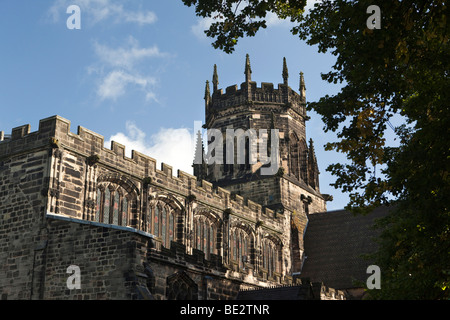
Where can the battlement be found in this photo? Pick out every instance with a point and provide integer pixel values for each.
(87, 147)
(250, 93)
(247, 92)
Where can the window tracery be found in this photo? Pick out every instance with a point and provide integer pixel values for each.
(205, 234)
(161, 222)
(270, 256)
(241, 247)
(112, 204)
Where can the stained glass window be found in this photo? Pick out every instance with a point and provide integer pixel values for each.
(98, 205)
(244, 250)
(270, 256)
(240, 248)
(156, 224)
(171, 229)
(211, 239)
(234, 246)
(275, 260)
(149, 219)
(205, 238)
(163, 226)
(265, 255)
(116, 208)
(106, 206)
(124, 211)
(112, 206)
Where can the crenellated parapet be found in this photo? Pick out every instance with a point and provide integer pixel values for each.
(249, 94)
(54, 133)
(266, 93)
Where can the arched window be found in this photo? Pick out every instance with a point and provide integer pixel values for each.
(106, 206)
(211, 239)
(294, 156)
(199, 235)
(98, 205)
(240, 243)
(148, 226)
(303, 154)
(163, 226)
(161, 222)
(204, 235)
(171, 226)
(241, 250)
(124, 221)
(111, 205)
(270, 257)
(156, 218)
(115, 217)
(234, 245)
(264, 255)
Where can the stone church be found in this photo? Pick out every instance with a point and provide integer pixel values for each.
(133, 230)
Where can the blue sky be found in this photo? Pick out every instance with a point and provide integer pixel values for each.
(135, 73)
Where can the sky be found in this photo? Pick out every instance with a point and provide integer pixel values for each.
(135, 72)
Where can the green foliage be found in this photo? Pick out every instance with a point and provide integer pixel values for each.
(235, 19)
(401, 69)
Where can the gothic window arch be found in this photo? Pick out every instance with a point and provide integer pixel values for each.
(112, 204)
(161, 222)
(298, 153)
(181, 287)
(303, 157)
(271, 256)
(241, 244)
(205, 234)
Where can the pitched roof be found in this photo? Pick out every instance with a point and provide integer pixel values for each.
(334, 244)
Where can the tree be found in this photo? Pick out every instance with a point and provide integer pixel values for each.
(236, 18)
(402, 69)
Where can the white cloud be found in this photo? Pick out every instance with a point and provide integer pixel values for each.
(140, 18)
(173, 146)
(119, 70)
(115, 83)
(125, 57)
(97, 11)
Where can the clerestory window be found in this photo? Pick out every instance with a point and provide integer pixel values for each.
(161, 222)
(112, 205)
(204, 235)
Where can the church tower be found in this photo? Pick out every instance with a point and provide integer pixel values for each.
(249, 122)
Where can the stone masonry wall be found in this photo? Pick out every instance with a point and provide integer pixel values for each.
(47, 201)
(24, 171)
